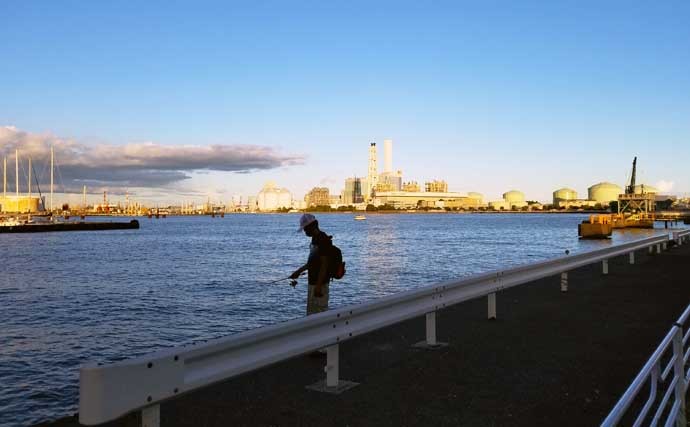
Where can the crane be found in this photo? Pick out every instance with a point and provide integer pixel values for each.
(630, 189)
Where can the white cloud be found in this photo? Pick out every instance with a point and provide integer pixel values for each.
(664, 186)
(150, 164)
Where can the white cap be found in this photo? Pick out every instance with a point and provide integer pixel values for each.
(305, 220)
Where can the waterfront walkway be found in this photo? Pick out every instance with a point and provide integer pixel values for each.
(550, 358)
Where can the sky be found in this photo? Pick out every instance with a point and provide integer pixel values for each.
(181, 100)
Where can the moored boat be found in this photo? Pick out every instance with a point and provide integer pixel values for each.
(596, 227)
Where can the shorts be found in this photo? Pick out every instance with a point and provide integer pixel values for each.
(317, 304)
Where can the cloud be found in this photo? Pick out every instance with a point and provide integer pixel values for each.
(664, 186)
(149, 165)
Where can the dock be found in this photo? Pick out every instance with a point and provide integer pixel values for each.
(69, 226)
(550, 358)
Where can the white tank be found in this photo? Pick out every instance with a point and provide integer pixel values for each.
(564, 194)
(514, 196)
(604, 192)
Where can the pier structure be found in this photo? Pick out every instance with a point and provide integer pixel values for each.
(545, 347)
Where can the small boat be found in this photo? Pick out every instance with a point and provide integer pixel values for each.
(360, 217)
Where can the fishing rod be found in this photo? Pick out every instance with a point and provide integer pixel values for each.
(293, 282)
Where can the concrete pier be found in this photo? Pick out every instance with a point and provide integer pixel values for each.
(549, 358)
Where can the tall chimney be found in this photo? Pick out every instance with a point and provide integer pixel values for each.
(373, 174)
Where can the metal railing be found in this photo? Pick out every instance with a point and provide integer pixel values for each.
(671, 355)
(107, 392)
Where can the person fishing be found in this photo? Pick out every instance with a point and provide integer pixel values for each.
(317, 266)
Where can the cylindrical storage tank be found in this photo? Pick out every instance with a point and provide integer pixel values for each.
(564, 194)
(514, 196)
(604, 192)
(642, 189)
(476, 196)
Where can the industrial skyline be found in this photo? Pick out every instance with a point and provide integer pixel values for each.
(378, 188)
(386, 184)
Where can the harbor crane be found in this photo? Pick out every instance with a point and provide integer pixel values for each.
(636, 208)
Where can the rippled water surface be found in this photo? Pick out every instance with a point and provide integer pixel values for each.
(68, 298)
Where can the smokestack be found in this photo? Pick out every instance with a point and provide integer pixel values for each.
(373, 174)
(388, 156)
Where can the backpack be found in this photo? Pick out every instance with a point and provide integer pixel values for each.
(336, 266)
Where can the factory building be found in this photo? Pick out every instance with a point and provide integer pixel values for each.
(390, 181)
(578, 203)
(644, 189)
(564, 195)
(411, 187)
(436, 186)
(352, 194)
(19, 204)
(411, 200)
(604, 192)
(318, 196)
(272, 198)
(499, 205)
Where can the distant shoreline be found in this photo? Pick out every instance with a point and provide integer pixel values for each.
(398, 212)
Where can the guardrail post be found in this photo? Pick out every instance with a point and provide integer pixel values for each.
(430, 343)
(605, 266)
(151, 416)
(492, 306)
(632, 257)
(658, 248)
(564, 282)
(332, 366)
(651, 250)
(663, 245)
(677, 239)
(333, 384)
(431, 329)
(679, 373)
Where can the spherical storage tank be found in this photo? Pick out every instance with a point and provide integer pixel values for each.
(604, 192)
(514, 196)
(564, 194)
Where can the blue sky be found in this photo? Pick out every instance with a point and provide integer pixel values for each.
(490, 96)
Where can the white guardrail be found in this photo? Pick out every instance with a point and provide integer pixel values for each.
(671, 356)
(109, 391)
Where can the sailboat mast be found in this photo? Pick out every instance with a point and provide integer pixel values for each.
(29, 201)
(51, 178)
(84, 198)
(4, 179)
(16, 174)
